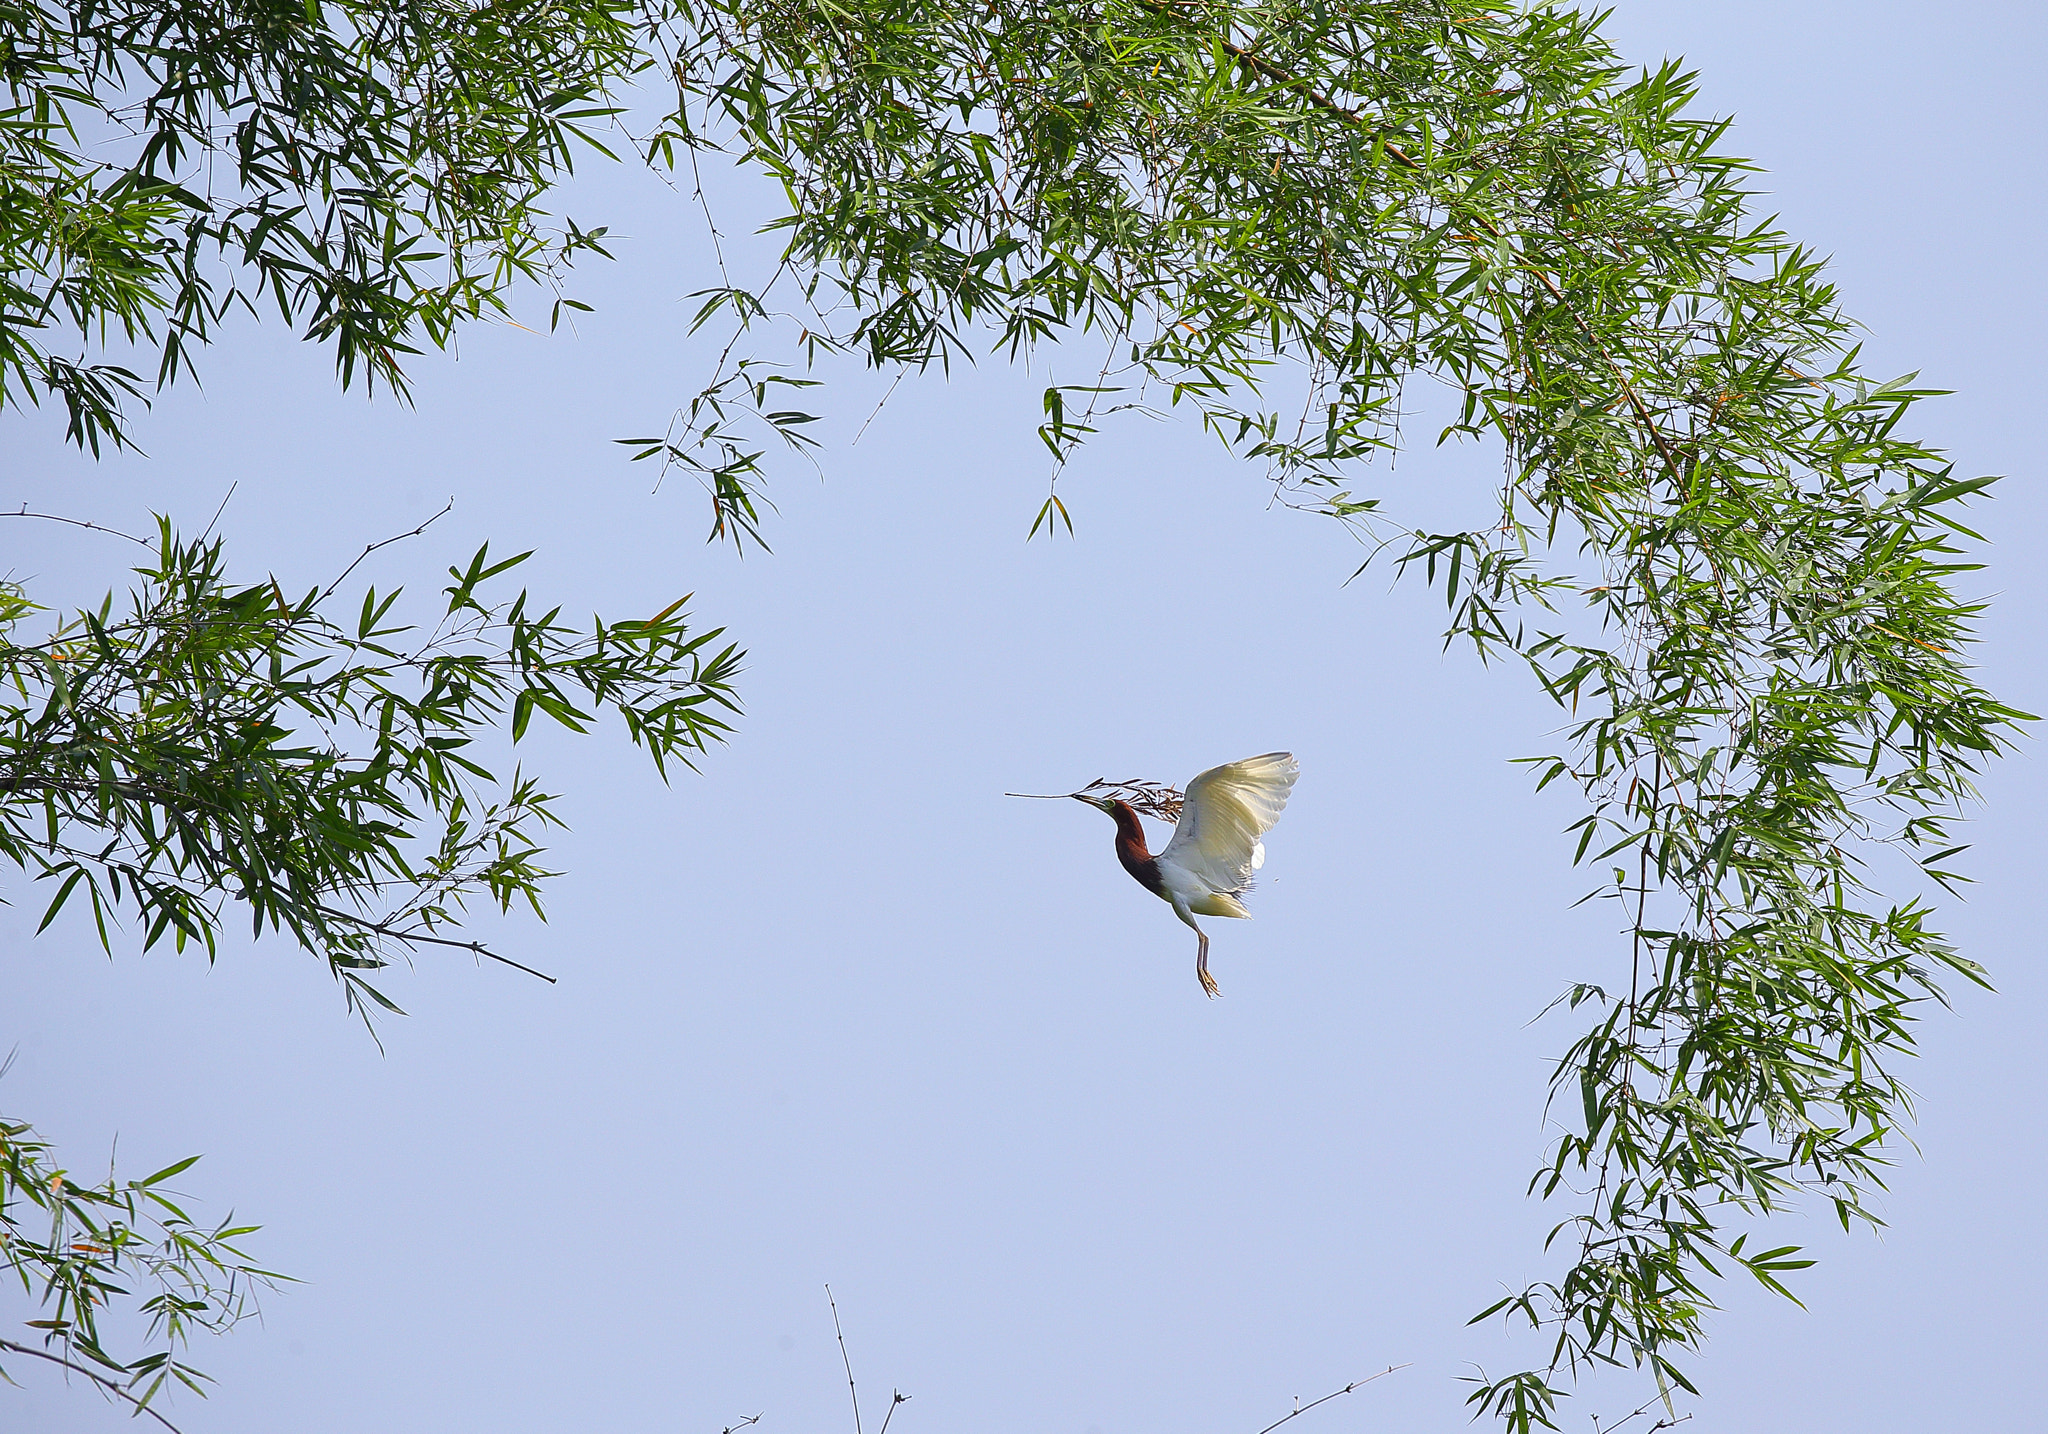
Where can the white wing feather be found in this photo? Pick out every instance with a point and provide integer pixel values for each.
(1228, 809)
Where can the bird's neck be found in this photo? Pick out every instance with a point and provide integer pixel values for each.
(1130, 848)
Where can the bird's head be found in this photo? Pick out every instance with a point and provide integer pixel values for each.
(1105, 805)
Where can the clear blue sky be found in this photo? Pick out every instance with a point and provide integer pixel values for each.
(835, 1011)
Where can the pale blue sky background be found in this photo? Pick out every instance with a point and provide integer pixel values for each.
(835, 1011)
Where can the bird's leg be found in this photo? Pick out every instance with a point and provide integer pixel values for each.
(1201, 950)
(1202, 963)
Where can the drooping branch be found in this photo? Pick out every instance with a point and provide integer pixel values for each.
(110, 1386)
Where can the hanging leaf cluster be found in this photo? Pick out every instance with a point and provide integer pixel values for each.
(220, 745)
(370, 172)
(82, 1248)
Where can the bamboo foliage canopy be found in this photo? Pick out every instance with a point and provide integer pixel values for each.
(1717, 546)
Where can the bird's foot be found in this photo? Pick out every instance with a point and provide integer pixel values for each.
(1209, 984)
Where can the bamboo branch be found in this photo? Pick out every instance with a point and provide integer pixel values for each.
(110, 1386)
(847, 1360)
(23, 512)
(412, 938)
(1301, 1409)
(1266, 69)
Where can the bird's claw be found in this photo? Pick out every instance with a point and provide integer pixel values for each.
(1209, 984)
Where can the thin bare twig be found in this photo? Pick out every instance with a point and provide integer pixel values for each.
(220, 510)
(1672, 1422)
(733, 1428)
(111, 1386)
(846, 1360)
(878, 407)
(23, 512)
(896, 1397)
(387, 542)
(1301, 1409)
(421, 938)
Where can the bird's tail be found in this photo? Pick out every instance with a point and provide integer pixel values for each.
(1221, 903)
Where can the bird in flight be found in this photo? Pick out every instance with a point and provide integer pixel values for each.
(1207, 866)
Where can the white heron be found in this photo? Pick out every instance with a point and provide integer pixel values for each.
(1207, 867)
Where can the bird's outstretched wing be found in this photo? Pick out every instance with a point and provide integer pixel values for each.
(1228, 809)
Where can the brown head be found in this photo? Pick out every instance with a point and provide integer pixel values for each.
(1130, 840)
